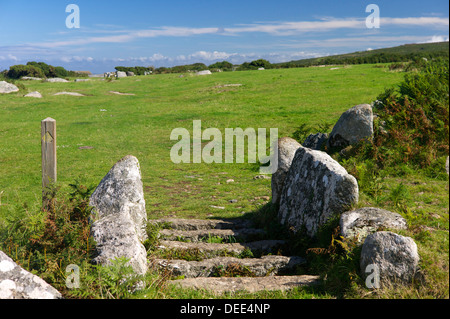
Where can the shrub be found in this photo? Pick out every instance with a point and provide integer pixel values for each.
(60, 72)
(20, 70)
(48, 70)
(261, 63)
(224, 66)
(415, 119)
(49, 239)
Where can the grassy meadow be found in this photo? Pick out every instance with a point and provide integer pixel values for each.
(117, 125)
(140, 125)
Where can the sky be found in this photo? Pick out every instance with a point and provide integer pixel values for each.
(175, 32)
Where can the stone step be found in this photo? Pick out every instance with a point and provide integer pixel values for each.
(231, 266)
(213, 249)
(198, 224)
(228, 235)
(250, 284)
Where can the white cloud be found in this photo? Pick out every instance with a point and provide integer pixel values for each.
(211, 56)
(367, 41)
(416, 21)
(76, 58)
(275, 29)
(438, 38)
(12, 57)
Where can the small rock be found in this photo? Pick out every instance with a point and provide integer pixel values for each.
(54, 80)
(69, 93)
(315, 141)
(217, 207)
(119, 93)
(354, 125)
(261, 177)
(361, 222)
(395, 257)
(205, 72)
(121, 74)
(35, 94)
(31, 78)
(230, 180)
(233, 201)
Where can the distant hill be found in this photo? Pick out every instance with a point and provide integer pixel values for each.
(400, 53)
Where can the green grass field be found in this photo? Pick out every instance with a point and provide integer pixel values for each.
(140, 125)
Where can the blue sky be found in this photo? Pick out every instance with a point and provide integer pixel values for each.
(167, 33)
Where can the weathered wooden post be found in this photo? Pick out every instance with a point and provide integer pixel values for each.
(48, 149)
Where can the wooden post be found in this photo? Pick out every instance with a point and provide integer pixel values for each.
(48, 148)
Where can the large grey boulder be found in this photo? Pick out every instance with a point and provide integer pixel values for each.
(119, 215)
(6, 88)
(286, 151)
(315, 141)
(364, 221)
(354, 125)
(316, 188)
(394, 258)
(121, 74)
(115, 237)
(17, 283)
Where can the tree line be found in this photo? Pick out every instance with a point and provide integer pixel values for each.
(43, 70)
(383, 57)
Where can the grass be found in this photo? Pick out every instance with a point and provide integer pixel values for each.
(140, 125)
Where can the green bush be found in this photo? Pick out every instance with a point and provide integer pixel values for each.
(46, 240)
(415, 118)
(48, 70)
(261, 63)
(20, 70)
(224, 66)
(60, 72)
